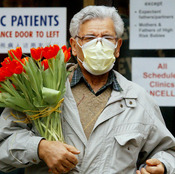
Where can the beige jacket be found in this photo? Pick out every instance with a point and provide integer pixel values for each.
(129, 130)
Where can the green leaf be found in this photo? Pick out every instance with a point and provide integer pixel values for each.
(2, 105)
(34, 76)
(39, 104)
(5, 101)
(51, 96)
(47, 78)
(19, 101)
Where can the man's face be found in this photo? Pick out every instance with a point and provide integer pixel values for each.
(95, 27)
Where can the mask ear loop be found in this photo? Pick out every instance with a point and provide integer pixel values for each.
(80, 60)
(79, 45)
(116, 45)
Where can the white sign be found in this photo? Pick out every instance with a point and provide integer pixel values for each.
(31, 27)
(152, 24)
(157, 76)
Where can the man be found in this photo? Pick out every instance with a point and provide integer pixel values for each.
(110, 124)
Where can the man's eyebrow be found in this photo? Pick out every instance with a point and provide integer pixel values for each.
(90, 34)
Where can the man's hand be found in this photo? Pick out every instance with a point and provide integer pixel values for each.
(154, 166)
(59, 157)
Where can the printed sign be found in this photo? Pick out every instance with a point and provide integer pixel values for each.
(157, 76)
(31, 27)
(152, 24)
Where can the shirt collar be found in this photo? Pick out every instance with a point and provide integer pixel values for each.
(78, 76)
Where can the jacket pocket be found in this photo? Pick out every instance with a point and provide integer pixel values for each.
(127, 146)
(124, 153)
(129, 139)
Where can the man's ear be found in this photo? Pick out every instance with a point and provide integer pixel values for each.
(117, 50)
(73, 44)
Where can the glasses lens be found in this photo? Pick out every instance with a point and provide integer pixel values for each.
(110, 38)
(88, 38)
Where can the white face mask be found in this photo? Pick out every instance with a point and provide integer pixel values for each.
(98, 56)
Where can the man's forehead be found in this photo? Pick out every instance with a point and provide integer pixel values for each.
(104, 25)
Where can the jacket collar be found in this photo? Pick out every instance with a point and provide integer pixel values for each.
(71, 112)
(78, 76)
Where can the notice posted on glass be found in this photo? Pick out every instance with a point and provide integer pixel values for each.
(152, 24)
(157, 76)
(32, 27)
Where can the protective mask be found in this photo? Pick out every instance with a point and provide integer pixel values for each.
(98, 56)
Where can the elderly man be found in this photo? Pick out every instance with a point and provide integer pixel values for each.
(110, 124)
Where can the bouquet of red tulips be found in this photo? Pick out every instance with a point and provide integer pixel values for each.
(35, 86)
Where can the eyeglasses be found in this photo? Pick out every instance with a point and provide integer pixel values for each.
(88, 38)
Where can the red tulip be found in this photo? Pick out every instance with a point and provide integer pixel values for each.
(17, 53)
(23, 61)
(15, 67)
(6, 61)
(45, 64)
(2, 75)
(51, 51)
(37, 53)
(66, 52)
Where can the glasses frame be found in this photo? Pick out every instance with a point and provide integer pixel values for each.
(91, 37)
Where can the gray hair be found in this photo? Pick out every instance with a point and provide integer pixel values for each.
(94, 12)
